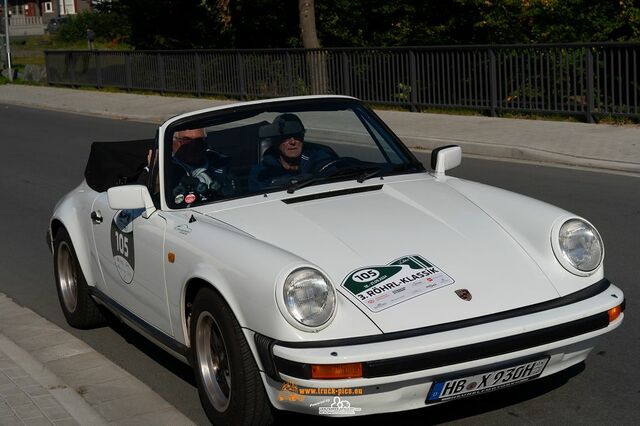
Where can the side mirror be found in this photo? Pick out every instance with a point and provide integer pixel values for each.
(131, 197)
(445, 158)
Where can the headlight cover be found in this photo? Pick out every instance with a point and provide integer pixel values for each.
(309, 297)
(579, 247)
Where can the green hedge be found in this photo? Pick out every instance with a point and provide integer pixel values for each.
(106, 26)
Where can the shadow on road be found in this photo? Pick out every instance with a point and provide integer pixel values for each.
(176, 367)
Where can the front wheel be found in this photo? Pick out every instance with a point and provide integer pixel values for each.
(229, 385)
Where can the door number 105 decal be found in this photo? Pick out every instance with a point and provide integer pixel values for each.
(122, 246)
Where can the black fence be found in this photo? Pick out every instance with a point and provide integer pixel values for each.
(593, 79)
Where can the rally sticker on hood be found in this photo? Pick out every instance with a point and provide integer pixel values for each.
(380, 287)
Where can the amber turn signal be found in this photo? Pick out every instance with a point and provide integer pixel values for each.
(614, 313)
(336, 371)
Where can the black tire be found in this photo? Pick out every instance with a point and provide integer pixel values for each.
(230, 388)
(80, 310)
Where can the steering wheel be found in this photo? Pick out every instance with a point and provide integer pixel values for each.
(324, 167)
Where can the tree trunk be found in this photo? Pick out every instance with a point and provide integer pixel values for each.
(307, 11)
(316, 60)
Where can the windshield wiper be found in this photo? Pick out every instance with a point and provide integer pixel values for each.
(396, 168)
(362, 173)
(295, 184)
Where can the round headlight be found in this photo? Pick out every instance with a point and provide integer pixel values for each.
(309, 297)
(581, 245)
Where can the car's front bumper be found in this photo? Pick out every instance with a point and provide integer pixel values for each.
(398, 373)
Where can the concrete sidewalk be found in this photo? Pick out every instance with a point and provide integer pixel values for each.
(49, 377)
(597, 146)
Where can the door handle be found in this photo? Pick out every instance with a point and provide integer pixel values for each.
(96, 217)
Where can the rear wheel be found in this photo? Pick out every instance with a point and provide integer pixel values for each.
(78, 307)
(229, 385)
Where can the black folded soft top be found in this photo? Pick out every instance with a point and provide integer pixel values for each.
(116, 163)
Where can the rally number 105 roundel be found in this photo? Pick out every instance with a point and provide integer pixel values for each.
(122, 246)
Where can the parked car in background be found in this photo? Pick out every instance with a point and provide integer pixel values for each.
(300, 258)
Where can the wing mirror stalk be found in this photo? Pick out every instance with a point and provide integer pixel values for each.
(445, 158)
(131, 197)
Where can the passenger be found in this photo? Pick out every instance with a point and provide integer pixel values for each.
(288, 157)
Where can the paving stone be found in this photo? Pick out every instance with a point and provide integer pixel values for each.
(11, 421)
(9, 389)
(17, 400)
(40, 421)
(56, 413)
(66, 422)
(5, 410)
(24, 382)
(4, 380)
(35, 390)
(15, 372)
(27, 411)
(45, 401)
(6, 363)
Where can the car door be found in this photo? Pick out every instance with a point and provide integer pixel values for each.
(130, 254)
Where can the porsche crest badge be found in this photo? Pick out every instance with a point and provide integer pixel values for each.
(464, 294)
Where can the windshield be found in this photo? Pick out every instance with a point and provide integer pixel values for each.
(278, 147)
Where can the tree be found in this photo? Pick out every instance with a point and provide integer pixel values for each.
(308, 24)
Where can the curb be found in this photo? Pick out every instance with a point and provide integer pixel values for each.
(90, 387)
(70, 400)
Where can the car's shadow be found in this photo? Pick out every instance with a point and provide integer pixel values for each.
(145, 346)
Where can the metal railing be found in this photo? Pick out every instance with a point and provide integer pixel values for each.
(591, 80)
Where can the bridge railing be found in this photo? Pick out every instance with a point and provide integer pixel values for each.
(588, 79)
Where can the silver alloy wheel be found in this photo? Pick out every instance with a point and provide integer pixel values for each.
(67, 278)
(213, 361)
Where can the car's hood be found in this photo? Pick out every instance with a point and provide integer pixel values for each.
(451, 260)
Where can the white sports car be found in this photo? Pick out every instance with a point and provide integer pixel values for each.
(300, 258)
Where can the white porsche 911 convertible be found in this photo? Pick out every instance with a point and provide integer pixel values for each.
(300, 258)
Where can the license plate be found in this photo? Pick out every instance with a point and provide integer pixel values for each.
(448, 389)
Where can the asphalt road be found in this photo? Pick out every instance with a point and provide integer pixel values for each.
(43, 157)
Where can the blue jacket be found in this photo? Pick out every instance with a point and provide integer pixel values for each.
(270, 172)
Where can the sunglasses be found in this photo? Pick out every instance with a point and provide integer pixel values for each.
(297, 136)
(186, 140)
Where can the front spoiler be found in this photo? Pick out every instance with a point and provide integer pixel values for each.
(449, 343)
(398, 373)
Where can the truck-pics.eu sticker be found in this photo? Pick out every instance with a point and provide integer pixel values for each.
(380, 287)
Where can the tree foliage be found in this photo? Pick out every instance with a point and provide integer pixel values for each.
(172, 24)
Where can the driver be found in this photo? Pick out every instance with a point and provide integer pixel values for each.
(199, 173)
(288, 157)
